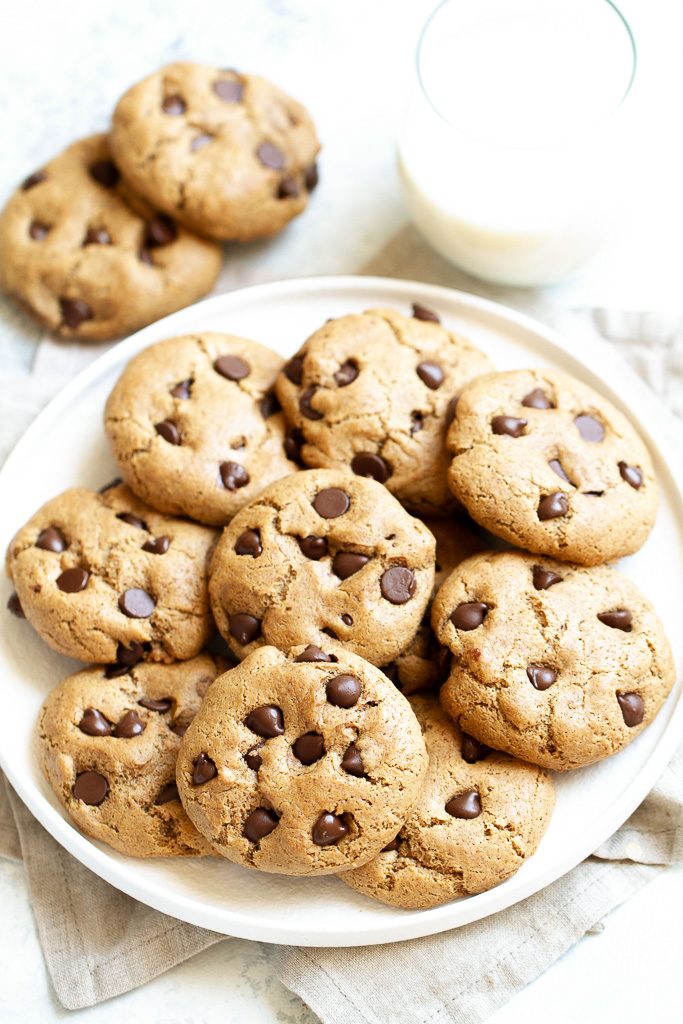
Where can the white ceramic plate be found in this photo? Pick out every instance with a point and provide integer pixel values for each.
(66, 446)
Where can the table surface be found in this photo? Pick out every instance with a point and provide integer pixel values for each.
(63, 67)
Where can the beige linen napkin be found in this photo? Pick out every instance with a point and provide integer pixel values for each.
(98, 943)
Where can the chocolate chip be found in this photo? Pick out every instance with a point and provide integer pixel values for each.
(369, 465)
(233, 475)
(632, 708)
(130, 656)
(75, 312)
(174, 105)
(313, 547)
(294, 369)
(270, 404)
(97, 236)
(346, 563)
(93, 723)
(589, 428)
(311, 177)
(305, 406)
(178, 728)
(199, 141)
(393, 845)
(544, 578)
(244, 628)
(352, 762)
(288, 188)
(347, 373)
(465, 805)
(145, 256)
(228, 89)
(271, 156)
(167, 793)
(266, 721)
(160, 706)
(331, 503)
(232, 367)
(160, 230)
(204, 770)
(128, 517)
(329, 829)
(105, 172)
(91, 788)
(330, 632)
(631, 474)
(397, 584)
(472, 750)
(416, 422)
(618, 618)
(537, 399)
(129, 726)
(253, 758)
(422, 313)
(343, 691)
(540, 677)
(74, 580)
(51, 539)
(451, 410)
(260, 824)
(309, 748)
(136, 603)
(157, 546)
(14, 606)
(510, 425)
(469, 615)
(249, 543)
(33, 180)
(431, 374)
(553, 505)
(293, 444)
(169, 431)
(313, 653)
(38, 230)
(347, 620)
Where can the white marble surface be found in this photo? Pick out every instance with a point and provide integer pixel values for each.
(62, 68)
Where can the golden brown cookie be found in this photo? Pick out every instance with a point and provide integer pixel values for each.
(91, 260)
(479, 816)
(301, 764)
(195, 427)
(375, 393)
(109, 749)
(227, 154)
(323, 554)
(545, 462)
(557, 664)
(103, 577)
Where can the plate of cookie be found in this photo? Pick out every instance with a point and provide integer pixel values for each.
(367, 639)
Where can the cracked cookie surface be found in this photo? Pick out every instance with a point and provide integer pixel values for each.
(375, 392)
(323, 554)
(91, 260)
(195, 427)
(230, 155)
(103, 577)
(545, 462)
(304, 763)
(479, 816)
(108, 748)
(557, 664)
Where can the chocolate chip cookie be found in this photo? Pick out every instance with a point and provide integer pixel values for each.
(546, 463)
(104, 578)
(304, 763)
(109, 748)
(424, 664)
(91, 260)
(323, 554)
(227, 154)
(375, 393)
(195, 427)
(557, 664)
(479, 816)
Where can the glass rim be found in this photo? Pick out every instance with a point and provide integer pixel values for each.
(549, 145)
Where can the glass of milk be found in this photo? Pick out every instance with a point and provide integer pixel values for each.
(515, 149)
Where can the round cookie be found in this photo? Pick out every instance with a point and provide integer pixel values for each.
(103, 577)
(323, 554)
(479, 816)
(557, 664)
(229, 155)
(375, 393)
(301, 764)
(543, 461)
(195, 427)
(84, 261)
(109, 749)
(424, 664)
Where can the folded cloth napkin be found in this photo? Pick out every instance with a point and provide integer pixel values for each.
(98, 942)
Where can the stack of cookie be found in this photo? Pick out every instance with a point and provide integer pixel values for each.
(122, 229)
(398, 693)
